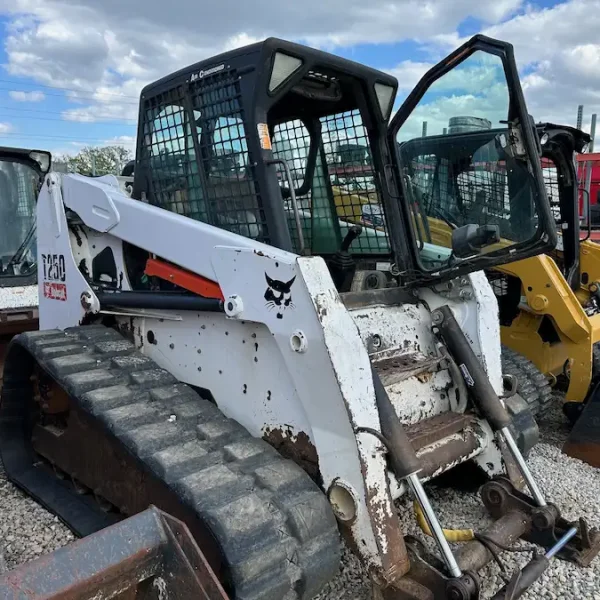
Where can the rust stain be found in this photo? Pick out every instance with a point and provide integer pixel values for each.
(127, 330)
(296, 447)
(395, 561)
(425, 376)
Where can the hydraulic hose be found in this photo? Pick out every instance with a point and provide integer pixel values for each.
(451, 535)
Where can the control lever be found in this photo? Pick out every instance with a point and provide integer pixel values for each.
(341, 265)
(532, 571)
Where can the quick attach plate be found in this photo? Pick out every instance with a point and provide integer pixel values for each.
(500, 497)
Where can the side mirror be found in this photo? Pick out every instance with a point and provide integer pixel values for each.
(470, 239)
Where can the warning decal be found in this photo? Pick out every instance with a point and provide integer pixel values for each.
(263, 135)
(55, 291)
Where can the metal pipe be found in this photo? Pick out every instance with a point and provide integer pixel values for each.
(529, 480)
(564, 540)
(474, 555)
(522, 580)
(434, 525)
(288, 174)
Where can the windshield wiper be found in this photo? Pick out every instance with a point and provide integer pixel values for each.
(17, 257)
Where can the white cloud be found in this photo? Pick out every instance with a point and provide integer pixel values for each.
(558, 51)
(107, 50)
(84, 44)
(19, 96)
(6, 128)
(127, 141)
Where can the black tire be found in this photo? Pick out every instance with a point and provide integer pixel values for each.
(532, 385)
(595, 366)
(573, 410)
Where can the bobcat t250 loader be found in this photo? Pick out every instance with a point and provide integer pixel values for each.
(199, 349)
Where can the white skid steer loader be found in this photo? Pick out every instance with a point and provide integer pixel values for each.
(200, 349)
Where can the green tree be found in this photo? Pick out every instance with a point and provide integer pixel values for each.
(102, 160)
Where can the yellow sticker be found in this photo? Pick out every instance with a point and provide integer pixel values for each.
(263, 134)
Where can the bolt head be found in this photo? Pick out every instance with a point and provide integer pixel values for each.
(437, 317)
(234, 306)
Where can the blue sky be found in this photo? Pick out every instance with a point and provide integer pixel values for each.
(49, 54)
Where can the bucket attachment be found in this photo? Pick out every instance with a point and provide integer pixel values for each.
(584, 440)
(149, 556)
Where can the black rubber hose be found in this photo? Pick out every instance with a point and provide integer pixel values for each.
(522, 581)
(478, 383)
(403, 458)
(159, 301)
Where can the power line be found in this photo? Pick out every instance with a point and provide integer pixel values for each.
(82, 95)
(58, 112)
(60, 137)
(67, 120)
(65, 89)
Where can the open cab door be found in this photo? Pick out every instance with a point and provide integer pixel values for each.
(467, 166)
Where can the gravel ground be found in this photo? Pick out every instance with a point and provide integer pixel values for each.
(571, 484)
(28, 531)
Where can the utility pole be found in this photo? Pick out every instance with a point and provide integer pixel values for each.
(424, 134)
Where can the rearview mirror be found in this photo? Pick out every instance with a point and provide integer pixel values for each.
(470, 239)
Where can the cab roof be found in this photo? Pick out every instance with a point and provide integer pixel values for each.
(255, 56)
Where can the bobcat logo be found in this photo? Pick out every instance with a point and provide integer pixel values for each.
(279, 295)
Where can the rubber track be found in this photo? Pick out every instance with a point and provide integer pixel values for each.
(274, 525)
(533, 385)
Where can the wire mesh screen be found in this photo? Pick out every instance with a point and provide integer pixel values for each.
(498, 281)
(451, 193)
(18, 192)
(551, 182)
(354, 185)
(201, 168)
(459, 193)
(342, 190)
(291, 142)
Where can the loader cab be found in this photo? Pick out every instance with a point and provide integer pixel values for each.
(292, 147)
(226, 141)
(21, 175)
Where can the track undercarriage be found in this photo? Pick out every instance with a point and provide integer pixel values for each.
(107, 431)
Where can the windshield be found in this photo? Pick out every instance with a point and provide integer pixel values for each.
(462, 164)
(343, 189)
(19, 185)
